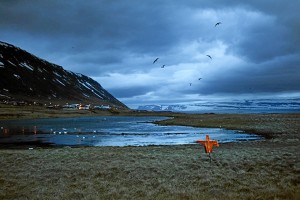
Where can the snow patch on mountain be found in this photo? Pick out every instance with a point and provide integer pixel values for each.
(31, 78)
(17, 76)
(26, 65)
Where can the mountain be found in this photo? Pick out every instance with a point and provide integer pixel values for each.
(163, 107)
(25, 77)
(233, 106)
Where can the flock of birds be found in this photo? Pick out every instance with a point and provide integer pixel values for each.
(209, 56)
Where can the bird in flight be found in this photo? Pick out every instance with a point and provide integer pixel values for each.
(190, 84)
(209, 56)
(199, 79)
(218, 24)
(155, 60)
(163, 66)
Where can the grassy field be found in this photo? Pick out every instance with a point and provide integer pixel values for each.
(267, 169)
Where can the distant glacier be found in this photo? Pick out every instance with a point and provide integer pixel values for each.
(235, 106)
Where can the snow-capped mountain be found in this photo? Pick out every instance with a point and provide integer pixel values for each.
(163, 107)
(233, 106)
(26, 77)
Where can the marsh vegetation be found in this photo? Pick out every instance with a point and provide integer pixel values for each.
(267, 169)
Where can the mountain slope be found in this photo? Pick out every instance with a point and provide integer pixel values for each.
(25, 77)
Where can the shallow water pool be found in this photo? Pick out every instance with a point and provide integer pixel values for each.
(110, 131)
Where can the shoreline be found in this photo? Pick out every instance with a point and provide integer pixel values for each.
(268, 126)
(263, 169)
(265, 124)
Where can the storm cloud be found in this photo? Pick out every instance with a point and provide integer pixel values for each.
(255, 50)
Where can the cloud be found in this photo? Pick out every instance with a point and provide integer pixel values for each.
(254, 51)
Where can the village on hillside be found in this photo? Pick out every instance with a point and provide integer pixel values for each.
(66, 106)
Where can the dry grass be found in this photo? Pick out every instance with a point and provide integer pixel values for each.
(252, 170)
(268, 169)
(268, 125)
(29, 112)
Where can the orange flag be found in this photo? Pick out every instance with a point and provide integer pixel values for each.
(208, 144)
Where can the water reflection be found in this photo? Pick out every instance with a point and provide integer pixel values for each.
(110, 131)
(10, 131)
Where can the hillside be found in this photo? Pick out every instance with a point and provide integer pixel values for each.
(25, 77)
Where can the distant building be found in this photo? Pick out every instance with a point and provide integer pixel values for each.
(84, 107)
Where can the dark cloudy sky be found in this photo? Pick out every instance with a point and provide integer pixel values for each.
(255, 50)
